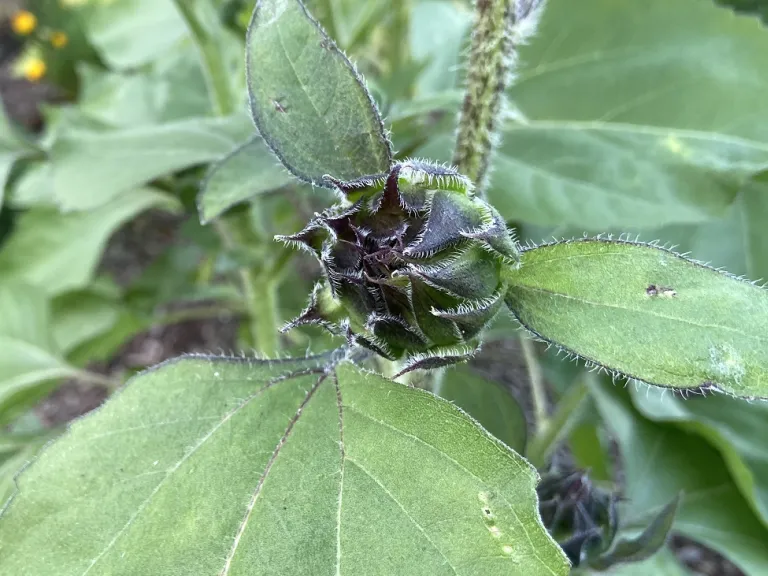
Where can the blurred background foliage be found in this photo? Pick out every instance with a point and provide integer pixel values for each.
(640, 116)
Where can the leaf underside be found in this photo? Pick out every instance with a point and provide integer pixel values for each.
(223, 466)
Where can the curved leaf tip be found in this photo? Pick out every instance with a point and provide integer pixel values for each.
(308, 101)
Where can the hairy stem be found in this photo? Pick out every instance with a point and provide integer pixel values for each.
(499, 27)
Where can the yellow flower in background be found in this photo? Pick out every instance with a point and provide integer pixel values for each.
(59, 39)
(23, 22)
(33, 69)
(30, 64)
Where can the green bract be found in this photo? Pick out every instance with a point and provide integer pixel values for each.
(414, 264)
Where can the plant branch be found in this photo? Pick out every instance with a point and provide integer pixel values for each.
(500, 26)
(538, 394)
(566, 416)
(94, 378)
(212, 60)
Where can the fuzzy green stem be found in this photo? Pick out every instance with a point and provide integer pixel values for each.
(213, 65)
(496, 31)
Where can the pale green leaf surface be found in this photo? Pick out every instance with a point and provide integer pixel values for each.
(488, 402)
(638, 114)
(736, 241)
(34, 187)
(91, 168)
(249, 170)
(116, 99)
(131, 33)
(309, 104)
(58, 252)
(662, 564)
(11, 464)
(80, 316)
(233, 467)
(437, 34)
(28, 356)
(736, 428)
(647, 313)
(11, 149)
(351, 19)
(661, 460)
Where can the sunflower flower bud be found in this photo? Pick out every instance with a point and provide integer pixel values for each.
(414, 265)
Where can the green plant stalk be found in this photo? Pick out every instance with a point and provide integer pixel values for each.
(261, 304)
(214, 67)
(563, 420)
(488, 73)
(265, 321)
(538, 394)
(89, 377)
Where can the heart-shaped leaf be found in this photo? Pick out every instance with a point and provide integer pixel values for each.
(227, 466)
(646, 313)
(308, 101)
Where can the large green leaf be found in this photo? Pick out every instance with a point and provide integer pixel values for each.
(249, 170)
(662, 564)
(80, 316)
(130, 33)
(661, 460)
(488, 402)
(223, 466)
(637, 114)
(647, 313)
(59, 252)
(437, 33)
(91, 168)
(172, 88)
(11, 149)
(734, 427)
(28, 356)
(307, 100)
(737, 241)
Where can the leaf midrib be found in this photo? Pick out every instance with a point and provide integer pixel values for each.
(188, 454)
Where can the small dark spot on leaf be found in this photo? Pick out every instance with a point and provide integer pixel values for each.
(279, 106)
(660, 291)
(326, 43)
